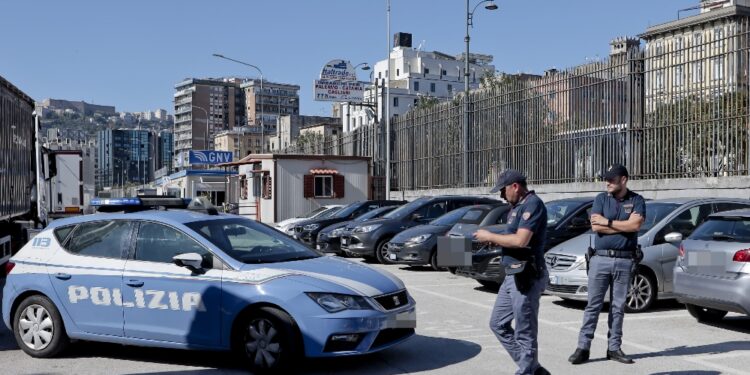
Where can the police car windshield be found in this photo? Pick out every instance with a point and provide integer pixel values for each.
(250, 242)
(406, 209)
(656, 212)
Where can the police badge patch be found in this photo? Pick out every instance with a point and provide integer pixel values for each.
(628, 208)
(526, 215)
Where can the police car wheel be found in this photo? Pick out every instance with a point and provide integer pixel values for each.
(38, 328)
(269, 340)
(641, 294)
(381, 252)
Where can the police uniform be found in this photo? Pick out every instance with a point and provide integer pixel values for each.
(610, 266)
(521, 302)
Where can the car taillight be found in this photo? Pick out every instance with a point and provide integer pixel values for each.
(742, 256)
(682, 251)
(9, 267)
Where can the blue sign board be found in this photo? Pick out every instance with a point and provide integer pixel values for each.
(210, 157)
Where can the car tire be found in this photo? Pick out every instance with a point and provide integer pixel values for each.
(490, 284)
(642, 293)
(381, 252)
(38, 327)
(269, 339)
(433, 261)
(705, 314)
(452, 270)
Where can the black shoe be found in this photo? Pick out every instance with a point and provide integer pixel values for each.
(579, 356)
(619, 356)
(541, 371)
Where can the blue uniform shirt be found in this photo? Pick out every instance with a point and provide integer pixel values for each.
(530, 213)
(618, 210)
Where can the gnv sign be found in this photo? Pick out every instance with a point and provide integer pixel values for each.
(210, 157)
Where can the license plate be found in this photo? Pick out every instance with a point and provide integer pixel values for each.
(392, 256)
(405, 319)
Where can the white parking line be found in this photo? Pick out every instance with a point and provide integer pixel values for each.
(694, 359)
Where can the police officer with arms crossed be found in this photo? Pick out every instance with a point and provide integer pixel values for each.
(616, 218)
(526, 273)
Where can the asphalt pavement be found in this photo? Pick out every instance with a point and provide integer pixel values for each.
(453, 337)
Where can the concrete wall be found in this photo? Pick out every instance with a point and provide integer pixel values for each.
(734, 187)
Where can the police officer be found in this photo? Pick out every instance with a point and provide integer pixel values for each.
(616, 217)
(526, 274)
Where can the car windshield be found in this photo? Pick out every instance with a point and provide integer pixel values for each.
(406, 209)
(557, 210)
(656, 212)
(313, 213)
(451, 217)
(728, 229)
(250, 242)
(378, 212)
(331, 211)
(347, 210)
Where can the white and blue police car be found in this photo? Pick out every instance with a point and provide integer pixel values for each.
(180, 278)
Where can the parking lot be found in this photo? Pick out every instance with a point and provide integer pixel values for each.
(452, 338)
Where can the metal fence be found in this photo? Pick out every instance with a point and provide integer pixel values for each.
(676, 109)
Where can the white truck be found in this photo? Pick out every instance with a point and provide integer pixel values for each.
(62, 176)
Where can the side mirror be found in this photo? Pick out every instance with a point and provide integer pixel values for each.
(673, 237)
(191, 261)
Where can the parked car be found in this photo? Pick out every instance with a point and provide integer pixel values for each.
(322, 211)
(418, 245)
(712, 273)
(654, 279)
(329, 238)
(368, 239)
(307, 230)
(566, 218)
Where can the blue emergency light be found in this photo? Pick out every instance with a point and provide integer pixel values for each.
(133, 204)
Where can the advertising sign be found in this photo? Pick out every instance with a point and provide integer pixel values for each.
(210, 157)
(338, 70)
(339, 91)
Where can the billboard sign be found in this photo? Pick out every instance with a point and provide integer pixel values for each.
(339, 91)
(210, 157)
(338, 70)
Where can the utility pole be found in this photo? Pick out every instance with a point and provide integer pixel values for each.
(388, 106)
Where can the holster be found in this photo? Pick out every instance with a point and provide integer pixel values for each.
(589, 254)
(524, 268)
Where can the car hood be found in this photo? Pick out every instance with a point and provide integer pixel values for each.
(579, 245)
(330, 228)
(288, 222)
(328, 273)
(463, 230)
(420, 230)
(322, 222)
(382, 221)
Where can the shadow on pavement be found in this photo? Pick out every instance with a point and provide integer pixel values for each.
(658, 306)
(718, 348)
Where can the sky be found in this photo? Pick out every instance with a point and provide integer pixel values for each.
(131, 53)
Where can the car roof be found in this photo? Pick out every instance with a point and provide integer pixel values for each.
(743, 212)
(574, 199)
(177, 216)
(686, 200)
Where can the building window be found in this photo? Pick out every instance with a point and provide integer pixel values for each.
(678, 75)
(395, 101)
(323, 186)
(398, 72)
(450, 88)
(443, 72)
(697, 72)
(719, 37)
(678, 46)
(415, 102)
(659, 48)
(660, 80)
(432, 87)
(416, 85)
(426, 71)
(697, 42)
(718, 68)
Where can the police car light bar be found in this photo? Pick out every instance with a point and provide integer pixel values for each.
(116, 202)
(137, 204)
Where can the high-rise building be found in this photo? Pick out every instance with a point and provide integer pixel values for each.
(125, 157)
(164, 151)
(204, 107)
(277, 99)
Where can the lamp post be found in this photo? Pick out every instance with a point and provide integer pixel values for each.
(260, 97)
(465, 128)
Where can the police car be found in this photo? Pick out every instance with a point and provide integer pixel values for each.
(181, 278)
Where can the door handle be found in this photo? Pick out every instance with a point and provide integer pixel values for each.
(134, 283)
(62, 276)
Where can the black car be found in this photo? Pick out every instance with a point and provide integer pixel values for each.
(566, 218)
(307, 231)
(329, 238)
(369, 239)
(418, 245)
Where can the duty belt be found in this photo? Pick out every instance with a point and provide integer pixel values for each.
(615, 253)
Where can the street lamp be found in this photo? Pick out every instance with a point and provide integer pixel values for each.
(260, 97)
(465, 133)
(365, 67)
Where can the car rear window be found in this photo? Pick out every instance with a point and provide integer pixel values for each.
(62, 233)
(729, 229)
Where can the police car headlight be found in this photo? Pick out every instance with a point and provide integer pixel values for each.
(419, 239)
(333, 302)
(310, 227)
(336, 232)
(366, 228)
